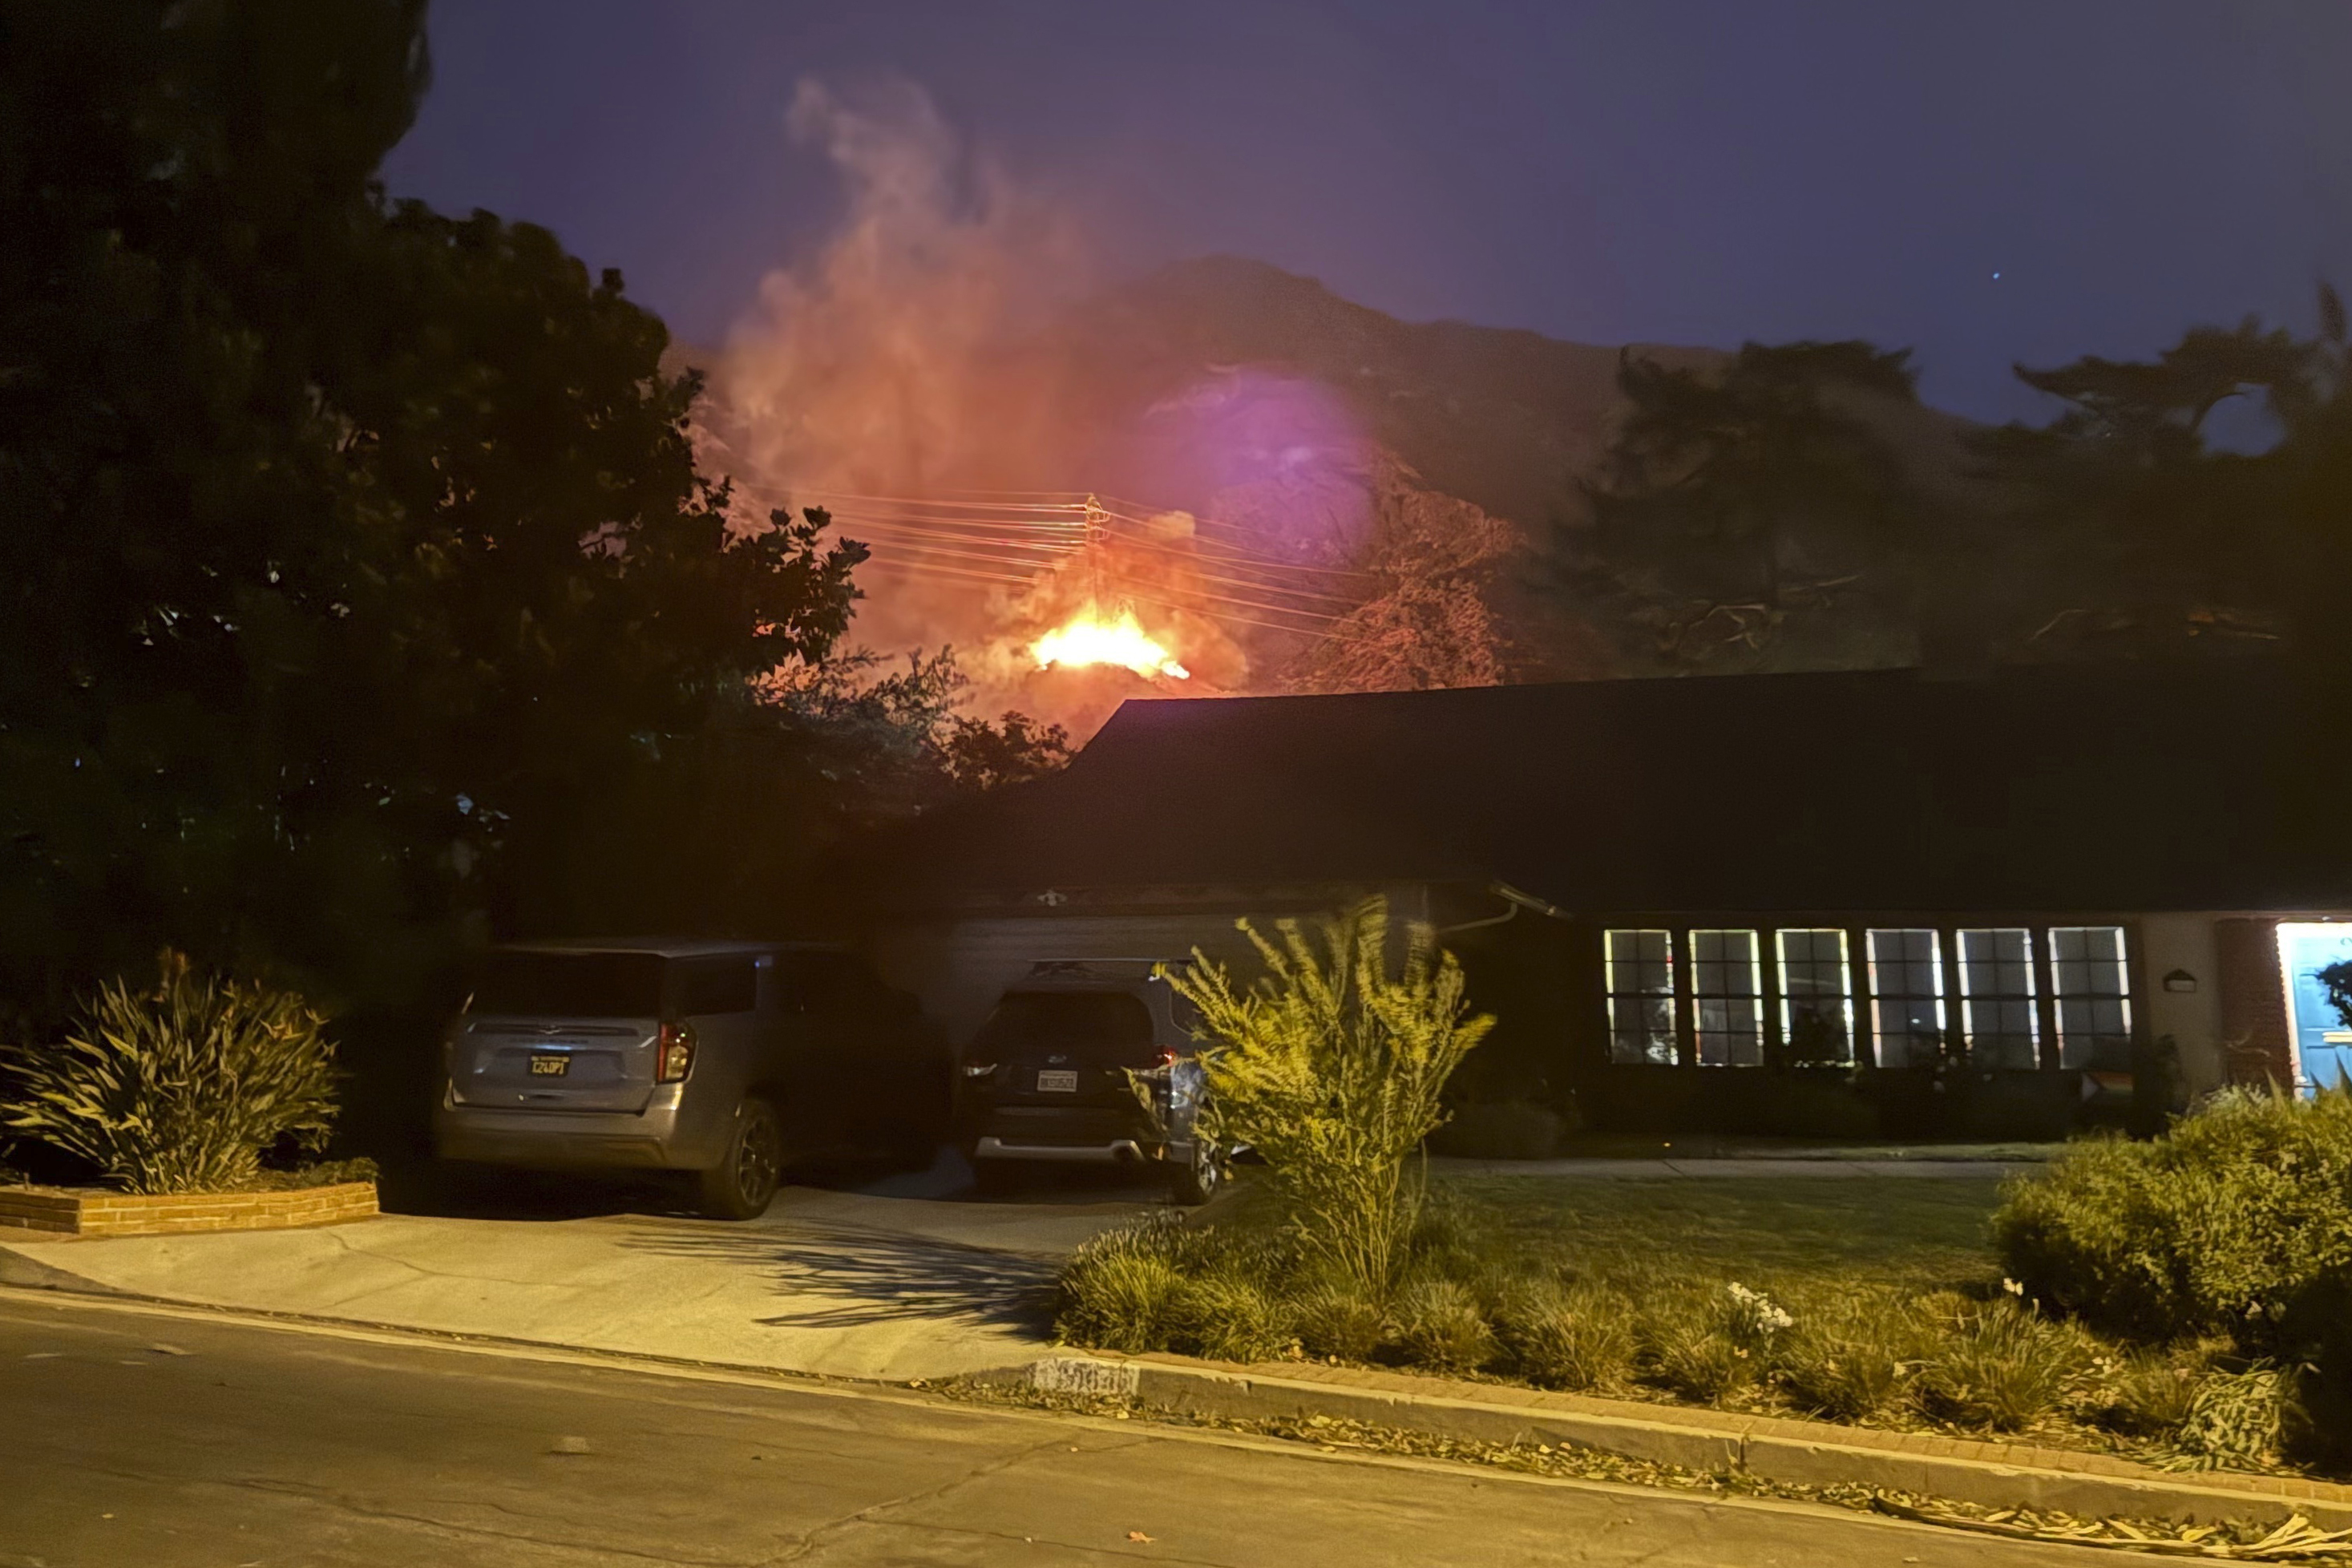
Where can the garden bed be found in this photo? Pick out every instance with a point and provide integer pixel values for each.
(1872, 1304)
(29, 1213)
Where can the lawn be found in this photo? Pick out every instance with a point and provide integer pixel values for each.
(1918, 1233)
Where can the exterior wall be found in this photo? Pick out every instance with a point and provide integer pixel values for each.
(62, 1212)
(2188, 944)
(2256, 1041)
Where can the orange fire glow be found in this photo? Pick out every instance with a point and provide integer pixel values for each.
(1089, 638)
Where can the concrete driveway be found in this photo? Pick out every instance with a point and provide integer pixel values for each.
(913, 1277)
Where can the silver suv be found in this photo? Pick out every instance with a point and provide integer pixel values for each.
(724, 1059)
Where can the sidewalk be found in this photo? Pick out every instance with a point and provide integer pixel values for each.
(837, 1284)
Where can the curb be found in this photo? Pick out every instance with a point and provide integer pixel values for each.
(1765, 1447)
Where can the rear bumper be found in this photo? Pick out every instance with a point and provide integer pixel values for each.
(659, 1138)
(1118, 1152)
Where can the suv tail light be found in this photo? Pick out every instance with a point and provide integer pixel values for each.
(673, 1053)
(979, 1069)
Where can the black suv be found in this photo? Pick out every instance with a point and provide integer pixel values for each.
(1053, 1077)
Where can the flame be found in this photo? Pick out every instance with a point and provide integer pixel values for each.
(1088, 638)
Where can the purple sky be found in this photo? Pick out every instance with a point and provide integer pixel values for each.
(1686, 171)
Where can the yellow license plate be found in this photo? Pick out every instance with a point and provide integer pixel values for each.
(550, 1065)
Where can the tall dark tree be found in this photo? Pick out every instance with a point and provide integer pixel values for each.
(2137, 502)
(358, 588)
(1715, 470)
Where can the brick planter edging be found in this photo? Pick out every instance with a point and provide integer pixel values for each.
(1814, 1453)
(38, 1211)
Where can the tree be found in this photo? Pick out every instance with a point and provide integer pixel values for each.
(2126, 483)
(1713, 470)
(361, 593)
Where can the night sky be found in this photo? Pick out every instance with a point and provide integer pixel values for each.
(1653, 170)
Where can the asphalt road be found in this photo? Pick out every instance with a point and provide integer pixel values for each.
(162, 1439)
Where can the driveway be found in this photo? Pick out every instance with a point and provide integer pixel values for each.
(908, 1277)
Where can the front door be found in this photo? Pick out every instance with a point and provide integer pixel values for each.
(2323, 1042)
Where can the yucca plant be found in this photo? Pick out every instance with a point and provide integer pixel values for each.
(179, 1086)
(1332, 1066)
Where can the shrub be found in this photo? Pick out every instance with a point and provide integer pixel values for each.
(180, 1088)
(2147, 1395)
(2235, 1422)
(1334, 1318)
(1505, 1130)
(1229, 1317)
(2002, 1366)
(1571, 1337)
(1850, 1357)
(1331, 1066)
(1123, 1289)
(1704, 1346)
(2218, 1226)
(1439, 1326)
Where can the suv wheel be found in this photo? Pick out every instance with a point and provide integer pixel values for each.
(1195, 1182)
(740, 1185)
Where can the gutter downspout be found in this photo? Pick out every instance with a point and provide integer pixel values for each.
(1517, 900)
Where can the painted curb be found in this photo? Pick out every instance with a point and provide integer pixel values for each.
(1207, 1391)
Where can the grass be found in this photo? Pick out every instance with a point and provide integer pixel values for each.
(1914, 1233)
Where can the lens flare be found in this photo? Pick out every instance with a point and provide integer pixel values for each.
(1089, 638)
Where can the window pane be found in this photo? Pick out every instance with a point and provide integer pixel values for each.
(1640, 984)
(2088, 976)
(1906, 989)
(1726, 988)
(1816, 1015)
(1996, 1011)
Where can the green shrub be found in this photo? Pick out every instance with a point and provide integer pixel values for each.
(1704, 1346)
(2002, 1366)
(1123, 1289)
(1332, 1068)
(1439, 1326)
(180, 1088)
(2218, 1226)
(1576, 1337)
(1851, 1356)
(1502, 1130)
(1334, 1318)
(2147, 1395)
(1228, 1316)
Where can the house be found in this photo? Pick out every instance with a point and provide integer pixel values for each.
(1684, 897)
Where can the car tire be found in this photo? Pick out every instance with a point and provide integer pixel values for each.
(743, 1183)
(1194, 1180)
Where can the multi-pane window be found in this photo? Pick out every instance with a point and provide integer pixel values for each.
(1997, 1014)
(2093, 992)
(1907, 996)
(1641, 982)
(1816, 1018)
(1727, 998)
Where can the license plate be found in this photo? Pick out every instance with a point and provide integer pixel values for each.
(551, 1065)
(1057, 1083)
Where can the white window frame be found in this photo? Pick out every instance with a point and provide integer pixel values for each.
(1970, 999)
(2079, 1051)
(1703, 1038)
(1881, 1037)
(1791, 1006)
(1638, 994)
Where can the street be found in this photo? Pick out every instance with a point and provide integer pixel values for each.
(134, 1435)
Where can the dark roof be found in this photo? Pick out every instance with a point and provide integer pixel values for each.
(2119, 785)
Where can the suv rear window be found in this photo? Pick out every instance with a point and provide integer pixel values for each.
(700, 985)
(572, 984)
(1092, 1025)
